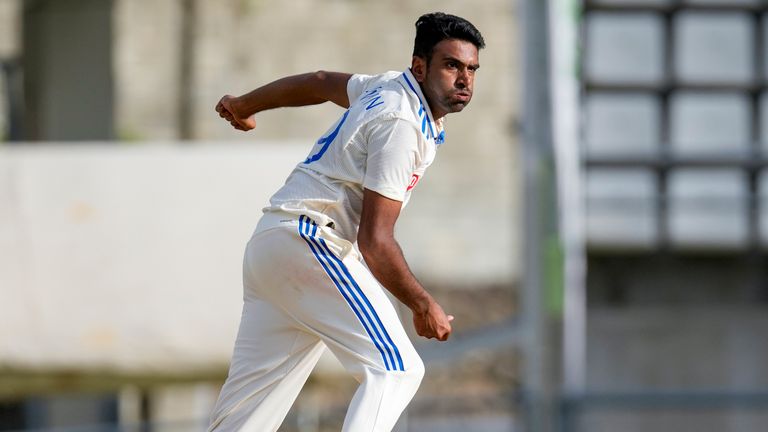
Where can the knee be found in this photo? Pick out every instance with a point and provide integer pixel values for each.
(410, 376)
(404, 382)
(414, 373)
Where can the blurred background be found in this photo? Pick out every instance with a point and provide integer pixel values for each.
(597, 220)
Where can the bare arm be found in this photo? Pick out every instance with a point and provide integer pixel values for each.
(377, 243)
(298, 90)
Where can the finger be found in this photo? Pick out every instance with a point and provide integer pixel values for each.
(221, 107)
(226, 104)
(450, 318)
(245, 123)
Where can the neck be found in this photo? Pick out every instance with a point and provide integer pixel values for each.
(437, 114)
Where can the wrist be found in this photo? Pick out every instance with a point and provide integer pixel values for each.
(245, 105)
(421, 305)
(238, 105)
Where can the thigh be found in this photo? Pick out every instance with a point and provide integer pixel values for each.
(347, 307)
(318, 281)
(373, 323)
(272, 358)
(267, 338)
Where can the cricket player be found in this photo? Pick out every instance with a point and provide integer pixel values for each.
(324, 251)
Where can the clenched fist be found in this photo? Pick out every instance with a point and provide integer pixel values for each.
(433, 322)
(227, 109)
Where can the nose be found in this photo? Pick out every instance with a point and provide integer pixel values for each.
(463, 79)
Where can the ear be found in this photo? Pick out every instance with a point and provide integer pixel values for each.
(419, 68)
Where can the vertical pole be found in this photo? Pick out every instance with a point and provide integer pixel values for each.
(754, 234)
(564, 36)
(186, 69)
(665, 131)
(14, 88)
(537, 178)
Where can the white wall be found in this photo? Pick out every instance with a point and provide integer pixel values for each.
(129, 257)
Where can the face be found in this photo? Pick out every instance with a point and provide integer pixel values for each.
(448, 80)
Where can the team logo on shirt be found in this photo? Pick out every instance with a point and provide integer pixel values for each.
(414, 180)
(372, 98)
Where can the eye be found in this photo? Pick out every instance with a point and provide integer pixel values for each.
(452, 65)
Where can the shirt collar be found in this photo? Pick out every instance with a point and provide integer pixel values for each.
(429, 127)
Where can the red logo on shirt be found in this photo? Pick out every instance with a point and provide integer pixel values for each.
(414, 180)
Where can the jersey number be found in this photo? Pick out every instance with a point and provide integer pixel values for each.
(326, 141)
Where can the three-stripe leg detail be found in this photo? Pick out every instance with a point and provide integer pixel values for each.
(339, 274)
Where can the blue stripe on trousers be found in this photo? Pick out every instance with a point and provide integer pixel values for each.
(304, 231)
(328, 255)
(362, 295)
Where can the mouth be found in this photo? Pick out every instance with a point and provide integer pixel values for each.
(459, 102)
(462, 96)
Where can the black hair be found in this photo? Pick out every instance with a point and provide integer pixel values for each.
(432, 28)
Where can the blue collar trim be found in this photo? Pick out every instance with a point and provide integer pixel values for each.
(426, 115)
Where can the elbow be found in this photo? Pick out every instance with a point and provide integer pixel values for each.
(369, 243)
(375, 243)
(319, 83)
(366, 245)
(320, 76)
(330, 86)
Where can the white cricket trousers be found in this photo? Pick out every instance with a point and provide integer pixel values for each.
(305, 289)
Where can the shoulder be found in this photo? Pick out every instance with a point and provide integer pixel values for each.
(385, 98)
(358, 83)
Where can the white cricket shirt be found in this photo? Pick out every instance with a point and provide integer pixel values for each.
(384, 142)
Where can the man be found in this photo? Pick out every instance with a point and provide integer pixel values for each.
(306, 285)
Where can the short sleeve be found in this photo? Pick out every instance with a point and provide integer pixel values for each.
(393, 155)
(356, 85)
